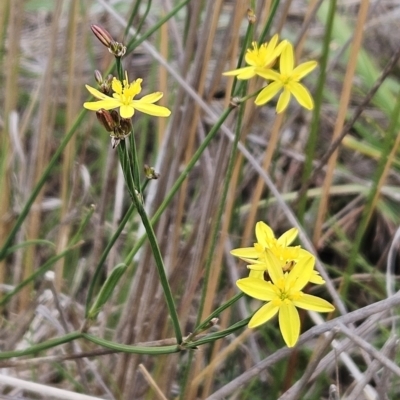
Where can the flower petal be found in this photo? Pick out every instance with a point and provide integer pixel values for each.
(301, 94)
(268, 74)
(264, 234)
(313, 303)
(287, 60)
(116, 85)
(264, 314)
(268, 93)
(152, 97)
(301, 273)
(257, 288)
(126, 111)
(316, 278)
(248, 252)
(288, 237)
(256, 274)
(97, 94)
(151, 109)
(303, 69)
(283, 101)
(241, 73)
(108, 104)
(289, 323)
(274, 267)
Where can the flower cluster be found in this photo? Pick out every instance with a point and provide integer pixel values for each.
(278, 273)
(261, 60)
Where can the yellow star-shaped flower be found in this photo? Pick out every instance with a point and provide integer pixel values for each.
(283, 294)
(287, 255)
(123, 97)
(287, 81)
(259, 59)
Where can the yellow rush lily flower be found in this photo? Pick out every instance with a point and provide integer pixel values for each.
(287, 255)
(123, 97)
(287, 81)
(283, 295)
(260, 58)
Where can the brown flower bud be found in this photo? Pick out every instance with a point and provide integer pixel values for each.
(102, 35)
(106, 119)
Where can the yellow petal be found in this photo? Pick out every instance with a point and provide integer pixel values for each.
(316, 278)
(152, 97)
(241, 73)
(283, 101)
(256, 274)
(287, 60)
(257, 288)
(116, 86)
(248, 252)
(301, 273)
(303, 69)
(289, 323)
(302, 95)
(264, 234)
(274, 267)
(268, 74)
(268, 93)
(264, 314)
(126, 111)
(105, 104)
(151, 109)
(313, 303)
(97, 94)
(288, 237)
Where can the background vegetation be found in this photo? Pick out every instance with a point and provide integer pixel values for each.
(65, 213)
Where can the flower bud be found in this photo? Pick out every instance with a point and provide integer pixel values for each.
(251, 17)
(98, 77)
(102, 35)
(106, 119)
(150, 172)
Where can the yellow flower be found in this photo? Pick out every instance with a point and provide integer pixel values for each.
(260, 58)
(123, 97)
(283, 295)
(287, 255)
(288, 81)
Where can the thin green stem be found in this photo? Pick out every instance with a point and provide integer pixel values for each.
(159, 265)
(315, 127)
(123, 348)
(103, 257)
(40, 271)
(220, 212)
(389, 141)
(24, 212)
(176, 186)
(41, 346)
(268, 24)
(136, 42)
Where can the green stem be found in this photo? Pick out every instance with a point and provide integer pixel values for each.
(24, 212)
(135, 43)
(40, 271)
(268, 24)
(180, 180)
(160, 266)
(220, 212)
(389, 142)
(315, 123)
(103, 257)
(154, 351)
(41, 346)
